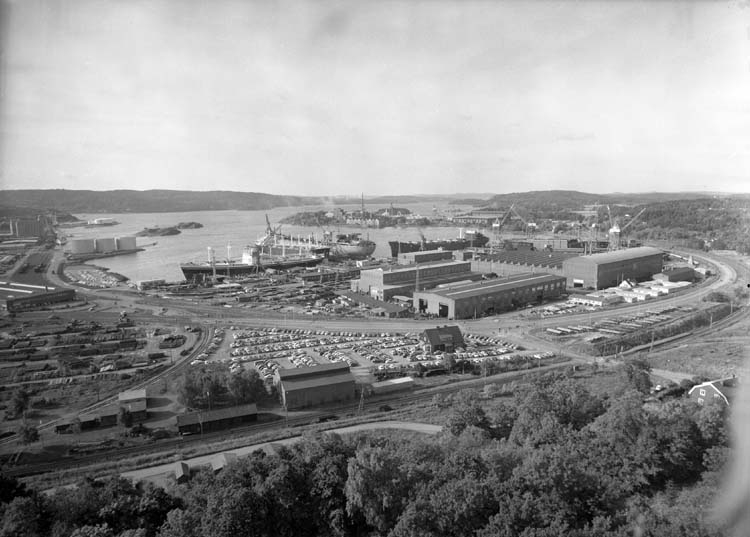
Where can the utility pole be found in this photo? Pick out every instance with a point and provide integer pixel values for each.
(361, 408)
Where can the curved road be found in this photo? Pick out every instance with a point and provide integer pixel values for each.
(160, 474)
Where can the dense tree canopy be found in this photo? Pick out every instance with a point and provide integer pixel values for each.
(555, 460)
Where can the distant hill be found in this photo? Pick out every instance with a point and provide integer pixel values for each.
(160, 201)
(148, 201)
(574, 200)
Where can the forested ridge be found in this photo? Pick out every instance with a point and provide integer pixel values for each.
(719, 222)
(554, 460)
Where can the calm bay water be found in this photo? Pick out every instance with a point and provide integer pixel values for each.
(238, 228)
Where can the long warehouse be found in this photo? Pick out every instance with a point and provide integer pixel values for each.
(609, 269)
(487, 297)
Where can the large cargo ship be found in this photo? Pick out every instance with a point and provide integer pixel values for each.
(272, 251)
(348, 246)
(252, 262)
(467, 239)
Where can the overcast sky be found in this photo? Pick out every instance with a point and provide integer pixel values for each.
(380, 97)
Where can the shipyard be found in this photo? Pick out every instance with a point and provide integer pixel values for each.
(367, 269)
(323, 332)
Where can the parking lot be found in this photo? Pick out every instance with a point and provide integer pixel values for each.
(394, 354)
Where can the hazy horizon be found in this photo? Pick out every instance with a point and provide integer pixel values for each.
(399, 98)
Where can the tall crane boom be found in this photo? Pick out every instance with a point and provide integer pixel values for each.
(632, 220)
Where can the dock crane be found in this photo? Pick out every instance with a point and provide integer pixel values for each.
(498, 224)
(616, 232)
(631, 222)
(529, 227)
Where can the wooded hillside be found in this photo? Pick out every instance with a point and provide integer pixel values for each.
(556, 460)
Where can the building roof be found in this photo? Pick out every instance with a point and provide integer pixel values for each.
(494, 286)
(542, 258)
(130, 395)
(135, 405)
(414, 267)
(680, 270)
(444, 334)
(293, 384)
(221, 460)
(181, 468)
(107, 410)
(319, 370)
(373, 302)
(726, 387)
(619, 255)
(393, 382)
(191, 418)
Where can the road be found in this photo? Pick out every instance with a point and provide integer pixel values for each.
(515, 326)
(160, 474)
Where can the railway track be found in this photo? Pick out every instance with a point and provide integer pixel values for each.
(328, 415)
(179, 365)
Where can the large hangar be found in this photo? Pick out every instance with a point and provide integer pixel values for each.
(384, 284)
(609, 269)
(493, 296)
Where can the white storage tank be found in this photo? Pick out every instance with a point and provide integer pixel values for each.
(82, 246)
(126, 243)
(106, 245)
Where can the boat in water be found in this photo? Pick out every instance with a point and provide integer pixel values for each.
(467, 239)
(343, 246)
(272, 251)
(253, 261)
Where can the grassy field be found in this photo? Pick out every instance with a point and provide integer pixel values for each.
(722, 354)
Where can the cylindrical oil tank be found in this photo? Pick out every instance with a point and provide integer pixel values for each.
(82, 246)
(126, 243)
(106, 245)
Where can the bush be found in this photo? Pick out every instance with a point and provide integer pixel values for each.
(28, 434)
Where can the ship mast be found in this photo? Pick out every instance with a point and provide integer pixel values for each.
(229, 258)
(363, 216)
(212, 262)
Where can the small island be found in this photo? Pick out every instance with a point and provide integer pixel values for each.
(189, 225)
(168, 230)
(158, 231)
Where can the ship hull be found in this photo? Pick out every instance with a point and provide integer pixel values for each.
(237, 270)
(360, 250)
(398, 247)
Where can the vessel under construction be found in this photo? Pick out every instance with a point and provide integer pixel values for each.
(252, 262)
(468, 239)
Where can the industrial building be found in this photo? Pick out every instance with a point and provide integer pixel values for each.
(677, 274)
(487, 297)
(105, 416)
(39, 299)
(311, 386)
(216, 420)
(509, 262)
(384, 284)
(443, 338)
(26, 227)
(135, 402)
(425, 256)
(610, 269)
